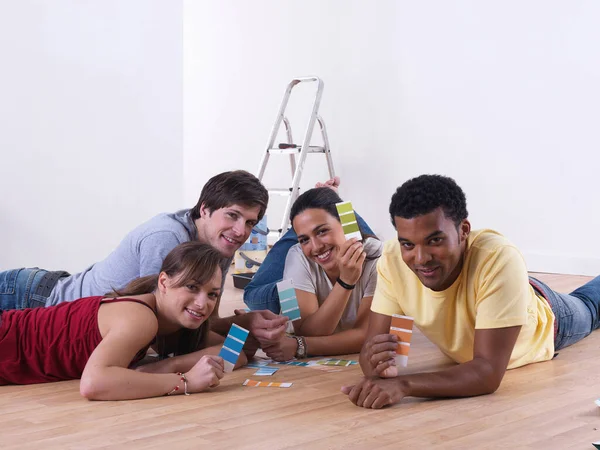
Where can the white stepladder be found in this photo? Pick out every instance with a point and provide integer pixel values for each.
(291, 149)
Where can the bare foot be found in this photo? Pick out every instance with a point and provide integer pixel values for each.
(333, 183)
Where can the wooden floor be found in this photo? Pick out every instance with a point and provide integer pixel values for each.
(548, 405)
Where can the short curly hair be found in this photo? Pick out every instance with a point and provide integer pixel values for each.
(425, 193)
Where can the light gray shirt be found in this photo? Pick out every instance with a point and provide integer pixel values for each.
(308, 276)
(140, 253)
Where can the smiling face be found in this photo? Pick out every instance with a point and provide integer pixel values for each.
(226, 229)
(433, 247)
(320, 236)
(188, 306)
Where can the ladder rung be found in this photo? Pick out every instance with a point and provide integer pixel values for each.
(284, 151)
(273, 233)
(280, 191)
(290, 151)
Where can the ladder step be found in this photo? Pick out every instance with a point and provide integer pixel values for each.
(280, 191)
(274, 233)
(293, 150)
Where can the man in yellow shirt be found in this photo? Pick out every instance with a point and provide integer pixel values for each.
(469, 293)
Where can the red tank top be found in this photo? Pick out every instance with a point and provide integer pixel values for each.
(42, 345)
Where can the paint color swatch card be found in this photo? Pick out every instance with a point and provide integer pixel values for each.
(253, 383)
(292, 363)
(402, 327)
(266, 371)
(348, 219)
(256, 364)
(597, 402)
(233, 345)
(337, 362)
(288, 300)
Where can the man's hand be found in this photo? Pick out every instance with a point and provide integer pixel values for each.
(375, 393)
(284, 350)
(333, 183)
(266, 327)
(251, 346)
(379, 352)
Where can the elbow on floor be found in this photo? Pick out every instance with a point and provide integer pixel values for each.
(91, 389)
(489, 386)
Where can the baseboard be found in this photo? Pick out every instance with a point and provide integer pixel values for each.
(571, 265)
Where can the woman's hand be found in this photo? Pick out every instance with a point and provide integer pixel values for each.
(205, 374)
(351, 258)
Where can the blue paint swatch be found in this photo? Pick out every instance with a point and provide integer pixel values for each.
(233, 345)
(286, 294)
(238, 332)
(293, 314)
(288, 300)
(266, 371)
(292, 363)
(229, 355)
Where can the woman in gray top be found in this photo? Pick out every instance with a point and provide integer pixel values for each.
(334, 279)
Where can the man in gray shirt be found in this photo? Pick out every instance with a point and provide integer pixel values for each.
(230, 204)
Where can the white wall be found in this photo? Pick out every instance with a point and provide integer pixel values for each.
(501, 96)
(90, 125)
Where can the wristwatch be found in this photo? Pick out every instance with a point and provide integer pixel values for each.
(301, 350)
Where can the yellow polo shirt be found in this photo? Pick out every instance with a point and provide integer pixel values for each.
(492, 291)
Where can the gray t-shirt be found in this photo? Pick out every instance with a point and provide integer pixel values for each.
(308, 276)
(140, 253)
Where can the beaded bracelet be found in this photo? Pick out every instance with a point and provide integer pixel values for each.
(176, 388)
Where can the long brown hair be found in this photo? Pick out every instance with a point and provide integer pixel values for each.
(188, 262)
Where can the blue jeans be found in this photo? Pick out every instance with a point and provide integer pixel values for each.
(261, 292)
(577, 314)
(18, 286)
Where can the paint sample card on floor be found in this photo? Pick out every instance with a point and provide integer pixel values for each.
(257, 364)
(402, 327)
(292, 363)
(253, 383)
(266, 371)
(337, 362)
(348, 219)
(288, 300)
(233, 345)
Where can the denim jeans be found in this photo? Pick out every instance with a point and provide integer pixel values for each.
(261, 292)
(577, 314)
(18, 286)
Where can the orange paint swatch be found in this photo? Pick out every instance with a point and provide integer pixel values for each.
(401, 326)
(253, 383)
(404, 322)
(403, 349)
(403, 336)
